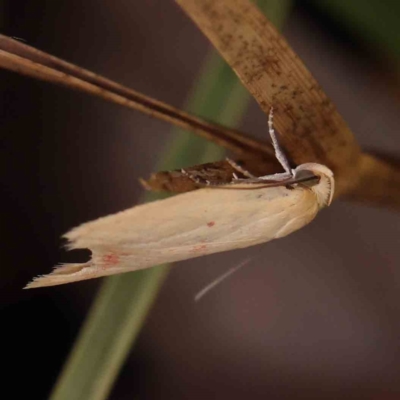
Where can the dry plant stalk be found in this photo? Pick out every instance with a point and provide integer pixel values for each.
(311, 127)
(26, 60)
(312, 130)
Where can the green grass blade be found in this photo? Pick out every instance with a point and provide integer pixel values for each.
(123, 301)
(375, 21)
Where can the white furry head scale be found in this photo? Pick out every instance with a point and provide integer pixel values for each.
(325, 189)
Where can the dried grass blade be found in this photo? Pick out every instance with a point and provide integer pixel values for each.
(26, 60)
(312, 129)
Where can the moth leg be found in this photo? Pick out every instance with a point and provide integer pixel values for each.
(239, 168)
(279, 154)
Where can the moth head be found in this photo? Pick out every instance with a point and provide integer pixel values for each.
(324, 186)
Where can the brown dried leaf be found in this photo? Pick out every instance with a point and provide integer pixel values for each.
(216, 172)
(312, 130)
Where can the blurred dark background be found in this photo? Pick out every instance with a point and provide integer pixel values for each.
(315, 315)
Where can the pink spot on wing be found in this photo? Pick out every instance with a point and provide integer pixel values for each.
(110, 259)
(210, 224)
(198, 249)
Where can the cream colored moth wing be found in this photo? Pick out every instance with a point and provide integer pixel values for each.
(190, 225)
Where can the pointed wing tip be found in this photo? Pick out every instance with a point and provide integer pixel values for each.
(31, 285)
(42, 281)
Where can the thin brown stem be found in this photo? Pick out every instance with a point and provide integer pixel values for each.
(26, 60)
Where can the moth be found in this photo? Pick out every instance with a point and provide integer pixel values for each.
(217, 217)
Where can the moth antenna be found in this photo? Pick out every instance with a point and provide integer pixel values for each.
(279, 154)
(220, 279)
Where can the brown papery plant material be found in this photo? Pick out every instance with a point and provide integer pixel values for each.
(312, 130)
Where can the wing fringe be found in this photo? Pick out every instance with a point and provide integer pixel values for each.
(65, 273)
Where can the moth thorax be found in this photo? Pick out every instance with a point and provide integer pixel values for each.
(325, 187)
